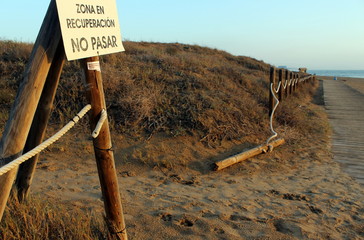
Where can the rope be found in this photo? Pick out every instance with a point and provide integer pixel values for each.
(99, 124)
(279, 86)
(275, 134)
(4, 169)
(285, 84)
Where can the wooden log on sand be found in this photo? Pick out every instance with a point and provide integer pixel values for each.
(247, 154)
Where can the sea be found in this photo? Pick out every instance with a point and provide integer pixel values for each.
(338, 73)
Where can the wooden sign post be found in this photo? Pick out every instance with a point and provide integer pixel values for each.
(103, 149)
(30, 112)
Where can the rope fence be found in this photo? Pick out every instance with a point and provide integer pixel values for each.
(285, 87)
(286, 84)
(15, 163)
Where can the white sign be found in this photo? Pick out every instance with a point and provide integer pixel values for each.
(89, 27)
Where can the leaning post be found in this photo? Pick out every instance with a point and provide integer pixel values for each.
(40, 122)
(25, 104)
(103, 150)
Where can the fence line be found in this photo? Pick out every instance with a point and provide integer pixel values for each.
(286, 84)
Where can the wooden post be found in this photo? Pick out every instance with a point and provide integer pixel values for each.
(272, 80)
(281, 89)
(290, 86)
(296, 81)
(103, 152)
(287, 81)
(39, 125)
(25, 104)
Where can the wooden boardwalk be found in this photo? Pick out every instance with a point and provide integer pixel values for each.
(345, 108)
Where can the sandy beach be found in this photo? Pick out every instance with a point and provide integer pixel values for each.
(308, 196)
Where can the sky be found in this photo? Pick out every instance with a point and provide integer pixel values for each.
(317, 34)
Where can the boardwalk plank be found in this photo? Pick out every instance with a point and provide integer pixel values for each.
(345, 108)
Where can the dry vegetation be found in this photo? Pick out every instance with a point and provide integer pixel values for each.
(38, 219)
(174, 89)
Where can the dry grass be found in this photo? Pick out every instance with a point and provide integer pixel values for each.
(40, 219)
(13, 57)
(173, 88)
(184, 90)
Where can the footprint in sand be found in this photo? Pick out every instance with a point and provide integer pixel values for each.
(186, 222)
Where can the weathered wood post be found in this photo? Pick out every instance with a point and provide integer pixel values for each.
(272, 80)
(295, 82)
(103, 151)
(39, 125)
(290, 86)
(25, 104)
(287, 86)
(281, 88)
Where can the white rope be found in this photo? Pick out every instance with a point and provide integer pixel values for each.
(4, 169)
(275, 134)
(99, 124)
(285, 84)
(279, 86)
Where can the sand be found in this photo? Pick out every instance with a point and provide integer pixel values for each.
(300, 193)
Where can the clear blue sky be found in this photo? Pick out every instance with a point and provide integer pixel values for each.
(318, 34)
